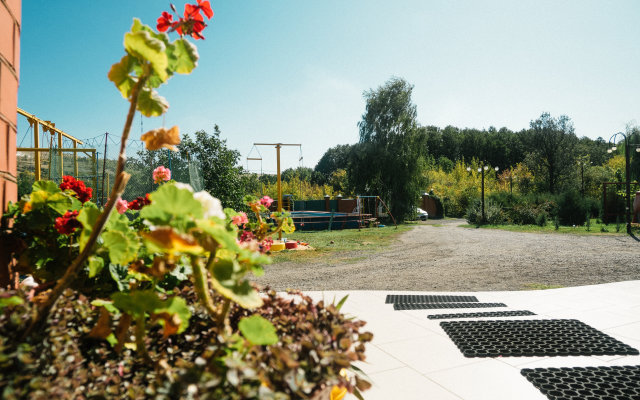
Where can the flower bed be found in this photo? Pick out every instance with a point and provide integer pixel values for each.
(152, 298)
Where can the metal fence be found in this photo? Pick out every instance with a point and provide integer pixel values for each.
(94, 161)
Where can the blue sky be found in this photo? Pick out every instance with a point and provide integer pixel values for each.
(294, 71)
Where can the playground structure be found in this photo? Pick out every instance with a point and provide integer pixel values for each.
(55, 153)
(339, 213)
(53, 162)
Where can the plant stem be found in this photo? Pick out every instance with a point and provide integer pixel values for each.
(118, 187)
(201, 285)
(222, 317)
(140, 332)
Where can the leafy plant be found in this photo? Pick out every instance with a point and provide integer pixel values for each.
(572, 208)
(493, 214)
(153, 264)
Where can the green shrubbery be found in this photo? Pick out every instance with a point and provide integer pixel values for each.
(493, 214)
(568, 208)
(572, 208)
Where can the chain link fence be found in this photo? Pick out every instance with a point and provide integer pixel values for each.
(95, 162)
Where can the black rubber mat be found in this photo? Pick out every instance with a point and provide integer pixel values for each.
(429, 306)
(611, 383)
(528, 338)
(520, 313)
(419, 298)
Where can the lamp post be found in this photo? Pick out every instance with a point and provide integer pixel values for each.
(481, 170)
(627, 167)
(582, 163)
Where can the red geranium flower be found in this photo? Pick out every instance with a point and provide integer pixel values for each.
(191, 24)
(165, 22)
(193, 11)
(67, 223)
(82, 192)
(139, 202)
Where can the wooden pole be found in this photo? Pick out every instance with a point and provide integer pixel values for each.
(75, 158)
(60, 154)
(36, 144)
(95, 176)
(279, 185)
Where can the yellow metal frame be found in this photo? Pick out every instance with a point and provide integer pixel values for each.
(278, 146)
(48, 126)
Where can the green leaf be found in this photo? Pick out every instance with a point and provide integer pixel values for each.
(225, 238)
(59, 202)
(117, 222)
(120, 75)
(106, 304)
(146, 48)
(137, 302)
(176, 305)
(151, 104)
(170, 202)
(228, 280)
(341, 302)
(123, 247)
(111, 339)
(95, 265)
(47, 186)
(87, 217)
(119, 275)
(258, 330)
(183, 56)
(10, 301)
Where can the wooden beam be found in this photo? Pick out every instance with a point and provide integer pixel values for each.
(48, 126)
(36, 142)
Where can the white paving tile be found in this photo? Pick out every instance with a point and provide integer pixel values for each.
(487, 380)
(406, 384)
(378, 361)
(411, 357)
(428, 353)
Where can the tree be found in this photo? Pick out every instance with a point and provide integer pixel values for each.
(553, 142)
(303, 173)
(387, 160)
(220, 173)
(332, 160)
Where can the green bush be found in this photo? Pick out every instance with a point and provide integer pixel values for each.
(572, 208)
(493, 213)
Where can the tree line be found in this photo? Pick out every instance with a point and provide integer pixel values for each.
(395, 156)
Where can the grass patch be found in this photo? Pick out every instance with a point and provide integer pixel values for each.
(436, 225)
(596, 228)
(329, 243)
(540, 286)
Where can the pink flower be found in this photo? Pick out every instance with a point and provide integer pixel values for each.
(265, 246)
(239, 219)
(122, 206)
(266, 201)
(246, 236)
(161, 174)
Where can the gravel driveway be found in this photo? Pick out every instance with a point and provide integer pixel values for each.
(452, 258)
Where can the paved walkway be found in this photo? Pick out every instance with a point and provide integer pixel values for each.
(411, 357)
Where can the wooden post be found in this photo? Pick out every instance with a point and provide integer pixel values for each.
(60, 153)
(95, 176)
(36, 144)
(75, 159)
(279, 185)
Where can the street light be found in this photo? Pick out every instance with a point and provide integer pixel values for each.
(582, 163)
(481, 170)
(627, 157)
